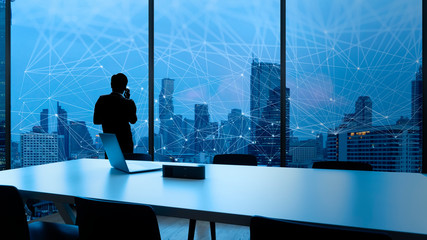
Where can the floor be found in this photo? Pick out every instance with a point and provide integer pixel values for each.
(177, 228)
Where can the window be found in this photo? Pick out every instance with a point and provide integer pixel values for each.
(63, 55)
(217, 80)
(354, 70)
(2, 85)
(353, 79)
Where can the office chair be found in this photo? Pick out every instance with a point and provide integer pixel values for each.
(262, 228)
(13, 221)
(231, 159)
(138, 156)
(344, 165)
(112, 220)
(235, 159)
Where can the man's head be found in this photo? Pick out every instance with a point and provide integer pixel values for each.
(119, 82)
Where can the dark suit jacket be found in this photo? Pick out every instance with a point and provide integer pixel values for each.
(115, 113)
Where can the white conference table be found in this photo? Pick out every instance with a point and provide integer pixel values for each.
(392, 202)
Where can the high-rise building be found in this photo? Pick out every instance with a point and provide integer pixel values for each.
(63, 129)
(39, 148)
(417, 103)
(267, 144)
(201, 125)
(387, 148)
(44, 120)
(166, 108)
(288, 122)
(81, 143)
(264, 78)
(168, 128)
(362, 115)
(417, 97)
(2, 86)
(363, 111)
(236, 132)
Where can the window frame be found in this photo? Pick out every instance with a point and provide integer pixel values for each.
(151, 46)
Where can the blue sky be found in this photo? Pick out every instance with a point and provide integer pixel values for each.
(337, 50)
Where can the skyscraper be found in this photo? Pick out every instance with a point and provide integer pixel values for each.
(2, 86)
(264, 78)
(63, 129)
(288, 121)
(168, 129)
(386, 148)
(417, 103)
(267, 145)
(40, 148)
(201, 125)
(236, 132)
(166, 109)
(363, 111)
(44, 120)
(81, 143)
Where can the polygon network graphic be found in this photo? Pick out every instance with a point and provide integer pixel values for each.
(351, 67)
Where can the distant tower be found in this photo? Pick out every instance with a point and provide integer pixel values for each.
(44, 120)
(39, 148)
(264, 78)
(363, 111)
(417, 104)
(166, 109)
(267, 147)
(417, 98)
(80, 139)
(287, 120)
(63, 129)
(168, 130)
(201, 125)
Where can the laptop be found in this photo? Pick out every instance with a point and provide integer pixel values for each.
(117, 159)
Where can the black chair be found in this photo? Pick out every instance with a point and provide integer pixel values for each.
(343, 165)
(231, 159)
(235, 159)
(262, 228)
(138, 156)
(112, 220)
(13, 221)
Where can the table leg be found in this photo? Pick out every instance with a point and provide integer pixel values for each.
(66, 213)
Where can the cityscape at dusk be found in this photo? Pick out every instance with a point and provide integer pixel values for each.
(217, 79)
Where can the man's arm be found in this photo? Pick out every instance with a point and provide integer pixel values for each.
(132, 112)
(98, 112)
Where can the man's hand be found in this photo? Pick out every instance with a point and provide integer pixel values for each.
(126, 94)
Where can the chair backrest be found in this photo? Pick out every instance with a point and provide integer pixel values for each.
(235, 159)
(138, 156)
(112, 220)
(268, 228)
(343, 165)
(13, 222)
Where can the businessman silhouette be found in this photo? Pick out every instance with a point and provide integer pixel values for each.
(115, 111)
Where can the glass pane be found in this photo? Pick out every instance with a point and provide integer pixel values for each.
(63, 56)
(354, 73)
(217, 80)
(2, 86)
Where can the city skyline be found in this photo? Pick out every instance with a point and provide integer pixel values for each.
(330, 61)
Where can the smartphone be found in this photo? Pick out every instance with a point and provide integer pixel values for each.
(126, 94)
